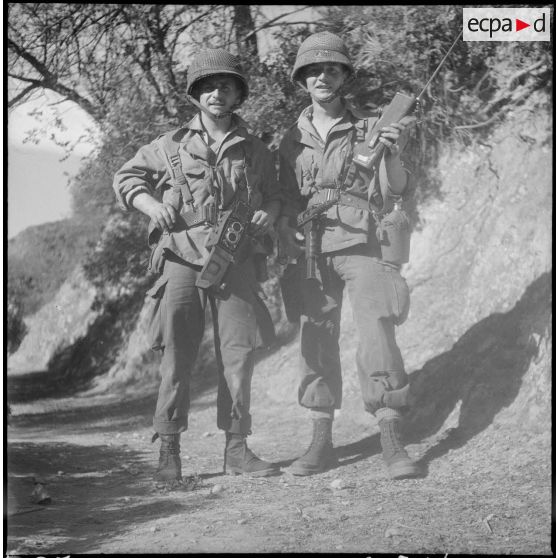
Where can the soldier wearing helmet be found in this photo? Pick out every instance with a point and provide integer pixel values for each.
(206, 186)
(316, 165)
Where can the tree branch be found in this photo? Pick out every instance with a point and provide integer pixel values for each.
(15, 100)
(268, 25)
(479, 125)
(513, 79)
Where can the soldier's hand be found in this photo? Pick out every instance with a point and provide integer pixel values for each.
(396, 135)
(291, 241)
(163, 215)
(262, 222)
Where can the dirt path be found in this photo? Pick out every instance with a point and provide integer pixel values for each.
(490, 495)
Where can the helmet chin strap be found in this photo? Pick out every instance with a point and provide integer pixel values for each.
(198, 105)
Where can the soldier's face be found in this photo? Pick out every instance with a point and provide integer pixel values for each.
(323, 79)
(219, 94)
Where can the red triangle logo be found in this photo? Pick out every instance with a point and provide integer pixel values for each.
(519, 24)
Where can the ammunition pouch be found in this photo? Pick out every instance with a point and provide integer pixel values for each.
(197, 216)
(226, 243)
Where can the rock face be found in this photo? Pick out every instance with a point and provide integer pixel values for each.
(485, 240)
(60, 324)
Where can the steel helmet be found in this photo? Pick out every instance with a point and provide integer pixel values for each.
(321, 47)
(213, 62)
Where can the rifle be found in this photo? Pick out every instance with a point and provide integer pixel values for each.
(315, 210)
(368, 153)
(307, 220)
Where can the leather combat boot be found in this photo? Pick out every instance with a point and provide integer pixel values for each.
(169, 458)
(399, 464)
(239, 458)
(319, 456)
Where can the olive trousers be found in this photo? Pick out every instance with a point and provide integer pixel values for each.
(177, 328)
(379, 298)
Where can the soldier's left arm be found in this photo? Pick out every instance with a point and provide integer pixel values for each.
(396, 168)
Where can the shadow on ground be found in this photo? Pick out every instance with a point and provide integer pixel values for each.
(94, 492)
(482, 372)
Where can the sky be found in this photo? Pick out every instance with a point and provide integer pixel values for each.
(37, 180)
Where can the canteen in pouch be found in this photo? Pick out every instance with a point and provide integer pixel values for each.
(394, 235)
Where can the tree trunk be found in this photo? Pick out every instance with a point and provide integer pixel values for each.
(244, 29)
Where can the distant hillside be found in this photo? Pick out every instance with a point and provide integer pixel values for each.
(40, 259)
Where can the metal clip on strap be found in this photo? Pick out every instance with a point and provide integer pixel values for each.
(178, 177)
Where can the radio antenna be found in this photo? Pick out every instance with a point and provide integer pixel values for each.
(439, 66)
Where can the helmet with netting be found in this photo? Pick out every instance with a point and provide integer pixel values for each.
(213, 62)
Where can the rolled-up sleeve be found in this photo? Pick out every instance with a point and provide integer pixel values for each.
(142, 173)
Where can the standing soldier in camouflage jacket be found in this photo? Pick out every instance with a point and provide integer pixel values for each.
(210, 191)
(316, 166)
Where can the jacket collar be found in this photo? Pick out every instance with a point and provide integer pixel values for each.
(198, 147)
(195, 124)
(308, 134)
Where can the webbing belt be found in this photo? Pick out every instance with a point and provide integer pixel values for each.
(342, 198)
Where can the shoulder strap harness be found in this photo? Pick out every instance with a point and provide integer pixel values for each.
(182, 198)
(375, 203)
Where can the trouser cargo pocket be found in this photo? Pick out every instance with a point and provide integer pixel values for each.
(156, 318)
(400, 297)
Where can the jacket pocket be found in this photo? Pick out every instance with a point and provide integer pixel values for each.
(156, 314)
(197, 180)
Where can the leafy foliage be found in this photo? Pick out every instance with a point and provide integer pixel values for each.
(118, 262)
(397, 48)
(16, 328)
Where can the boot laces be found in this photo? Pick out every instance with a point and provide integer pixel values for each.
(391, 438)
(171, 447)
(319, 437)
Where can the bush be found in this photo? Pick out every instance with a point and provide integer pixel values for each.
(15, 325)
